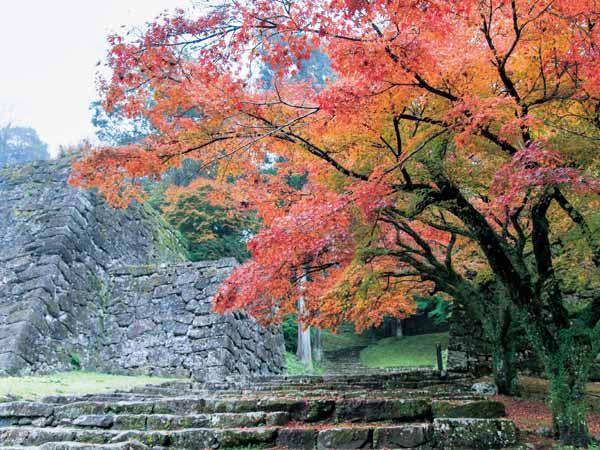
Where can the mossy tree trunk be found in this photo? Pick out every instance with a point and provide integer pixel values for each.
(501, 329)
(504, 365)
(569, 407)
(505, 344)
(568, 371)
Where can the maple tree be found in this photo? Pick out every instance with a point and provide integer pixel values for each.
(455, 143)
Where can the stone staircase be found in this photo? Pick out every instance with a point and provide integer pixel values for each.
(346, 360)
(404, 409)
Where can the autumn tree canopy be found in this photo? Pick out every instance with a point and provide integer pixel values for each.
(454, 145)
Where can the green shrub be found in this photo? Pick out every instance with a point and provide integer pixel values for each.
(289, 328)
(295, 367)
(75, 361)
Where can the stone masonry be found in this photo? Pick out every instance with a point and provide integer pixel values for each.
(84, 285)
(159, 321)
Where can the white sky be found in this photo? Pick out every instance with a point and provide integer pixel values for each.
(48, 53)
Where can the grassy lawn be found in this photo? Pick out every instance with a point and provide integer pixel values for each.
(295, 367)
(408, 351)
(33, 387)
(342, 339)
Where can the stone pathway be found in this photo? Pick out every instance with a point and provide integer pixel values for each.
(345, 360)
(404, 409)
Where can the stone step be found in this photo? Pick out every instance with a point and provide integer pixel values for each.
(336, 386)
(382, 375)
(172, 422)
(442, 433)
(341, 380)
(259, 390)
(370, 409)
(131, 445)
(475, 433)
(361, 393)
(193, 438)
(111, 397)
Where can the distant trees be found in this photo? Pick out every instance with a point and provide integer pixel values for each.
(113, 128)
(20, 144)
(211, 231)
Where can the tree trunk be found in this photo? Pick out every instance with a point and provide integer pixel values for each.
(399, 328)
(568, 405)
(505, 372)
(568, 371)
(504, 353)
(304, 351)
(318, 345)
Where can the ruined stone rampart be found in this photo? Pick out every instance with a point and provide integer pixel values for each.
(158, 320)
(79, 280)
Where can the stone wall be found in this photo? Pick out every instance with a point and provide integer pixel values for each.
(468, 351)
(60, 249)
(158, 320)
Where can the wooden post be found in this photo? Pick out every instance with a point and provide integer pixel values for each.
(440, 362)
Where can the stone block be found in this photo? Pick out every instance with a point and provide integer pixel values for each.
(380, 410)
(343, 438)
(474, 433)
(478, 409)
(25, 409)
(94, 421)
(297, 438)
(403, 436)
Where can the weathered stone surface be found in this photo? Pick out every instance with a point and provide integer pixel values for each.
(274, 411)
(486, 389)
(163, 333)
(133, 445)
(379, 410)
(277, 418)
(25, 409)
(85, 285)
(198, 439)
(297, 438)
(478, 409)
(403, 436)
(343, 438)
(246, 437)
(474, 433)
(319, 410)
(96, 421)
(132, 422)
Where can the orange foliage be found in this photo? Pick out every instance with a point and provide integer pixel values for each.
(370, 228)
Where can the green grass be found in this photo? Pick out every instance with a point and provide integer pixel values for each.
(408, 351)
(342, 339)
(33, 387)
(295, 367)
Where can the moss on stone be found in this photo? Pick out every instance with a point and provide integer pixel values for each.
(343, 438)
(474, 433)
(407, 409)
(248, 437)
(479, 409)
(319, 410)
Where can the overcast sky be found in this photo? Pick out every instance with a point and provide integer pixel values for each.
(49, 50)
